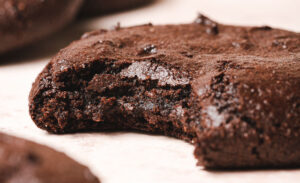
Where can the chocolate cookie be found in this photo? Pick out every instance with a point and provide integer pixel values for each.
(96, 7)
(25, 21)
(232, 91)
(25, 161)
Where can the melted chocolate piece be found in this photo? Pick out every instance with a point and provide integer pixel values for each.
(212, 26)
(148, 49)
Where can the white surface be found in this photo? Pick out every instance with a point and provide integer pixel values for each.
(130, 157)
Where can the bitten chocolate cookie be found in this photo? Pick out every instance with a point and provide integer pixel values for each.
(25, 21)
(96, 7)
(232, 91)
(25, 161)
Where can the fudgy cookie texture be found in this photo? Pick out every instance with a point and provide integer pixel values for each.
(232, 91)
(25, 161)
(98, 7)
(25, 21)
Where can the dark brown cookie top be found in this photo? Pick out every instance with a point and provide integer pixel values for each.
(25, 21)
(190, 46)
(198, 49)
(25, 161)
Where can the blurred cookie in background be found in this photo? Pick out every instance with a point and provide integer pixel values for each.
(26, 21)
(97, 7)
(25, 161)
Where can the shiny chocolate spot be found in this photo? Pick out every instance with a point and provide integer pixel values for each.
(147, 70)
(93, 33)
(148, 49)
(236, 45)
(213, 30)
(281, 44)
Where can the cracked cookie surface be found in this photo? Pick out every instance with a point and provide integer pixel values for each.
(232, 91)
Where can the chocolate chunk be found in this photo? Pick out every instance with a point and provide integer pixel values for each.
(212, 26)
(204, 20)
(148, 49)
(264, 28)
